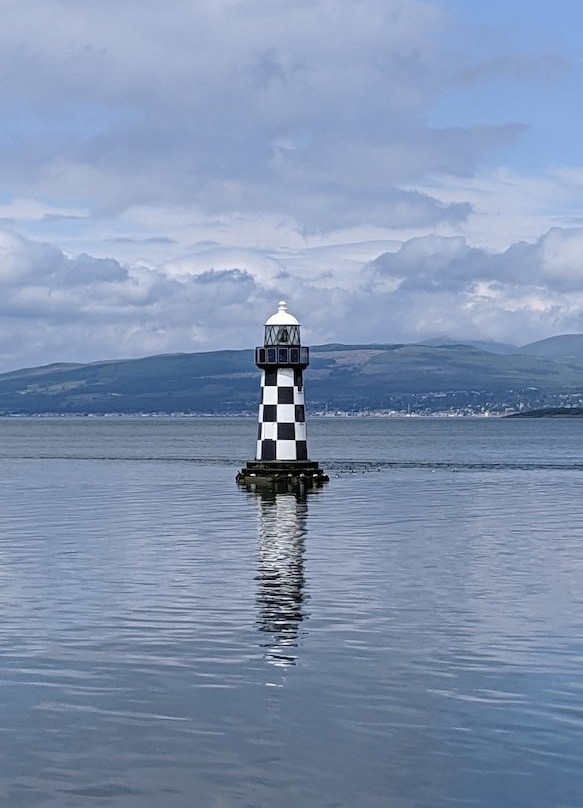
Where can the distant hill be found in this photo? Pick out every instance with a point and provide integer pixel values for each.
(564, 348)
(483, 345)
(348, 377)
(168, 383)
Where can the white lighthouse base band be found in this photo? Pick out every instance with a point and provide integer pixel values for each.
(282, 416)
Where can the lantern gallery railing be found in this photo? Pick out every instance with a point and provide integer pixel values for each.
(282, 356)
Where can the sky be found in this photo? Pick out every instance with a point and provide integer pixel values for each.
(397, 170)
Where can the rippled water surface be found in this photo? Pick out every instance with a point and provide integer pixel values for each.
(410, 636)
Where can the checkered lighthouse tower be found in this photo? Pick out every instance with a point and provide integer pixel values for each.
(282, 448)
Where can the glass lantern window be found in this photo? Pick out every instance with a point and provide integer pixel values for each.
(282, 335)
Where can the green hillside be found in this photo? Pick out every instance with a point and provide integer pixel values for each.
(563, 348)
(339, 376)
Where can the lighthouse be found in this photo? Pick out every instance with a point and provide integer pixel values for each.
(282, 456)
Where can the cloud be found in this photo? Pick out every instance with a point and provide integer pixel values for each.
(195, 163)
(164, 240)
(55, 307)
(86, 308)
(526, 292)
(315, 110)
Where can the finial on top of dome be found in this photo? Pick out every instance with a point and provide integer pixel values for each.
(282, 316)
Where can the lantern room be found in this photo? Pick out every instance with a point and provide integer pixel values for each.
(282, 328)
(282, 341)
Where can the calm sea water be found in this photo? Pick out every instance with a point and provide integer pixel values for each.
(410, 636)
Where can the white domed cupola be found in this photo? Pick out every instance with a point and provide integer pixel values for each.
(282, 328)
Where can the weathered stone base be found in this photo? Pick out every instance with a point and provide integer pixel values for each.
(283, 475)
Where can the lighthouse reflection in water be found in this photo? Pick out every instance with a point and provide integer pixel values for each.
(280, 593)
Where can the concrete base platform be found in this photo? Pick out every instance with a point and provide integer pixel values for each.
(284, 475)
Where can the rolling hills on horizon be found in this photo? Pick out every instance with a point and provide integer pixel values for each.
(347, 377)
(562, 347)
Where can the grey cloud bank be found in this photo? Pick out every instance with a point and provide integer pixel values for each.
(57, 308)
(316, 110)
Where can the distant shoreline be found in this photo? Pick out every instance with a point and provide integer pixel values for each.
(442, 416)
(549, 412)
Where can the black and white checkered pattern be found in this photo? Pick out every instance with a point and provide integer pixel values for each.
(282, 417)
